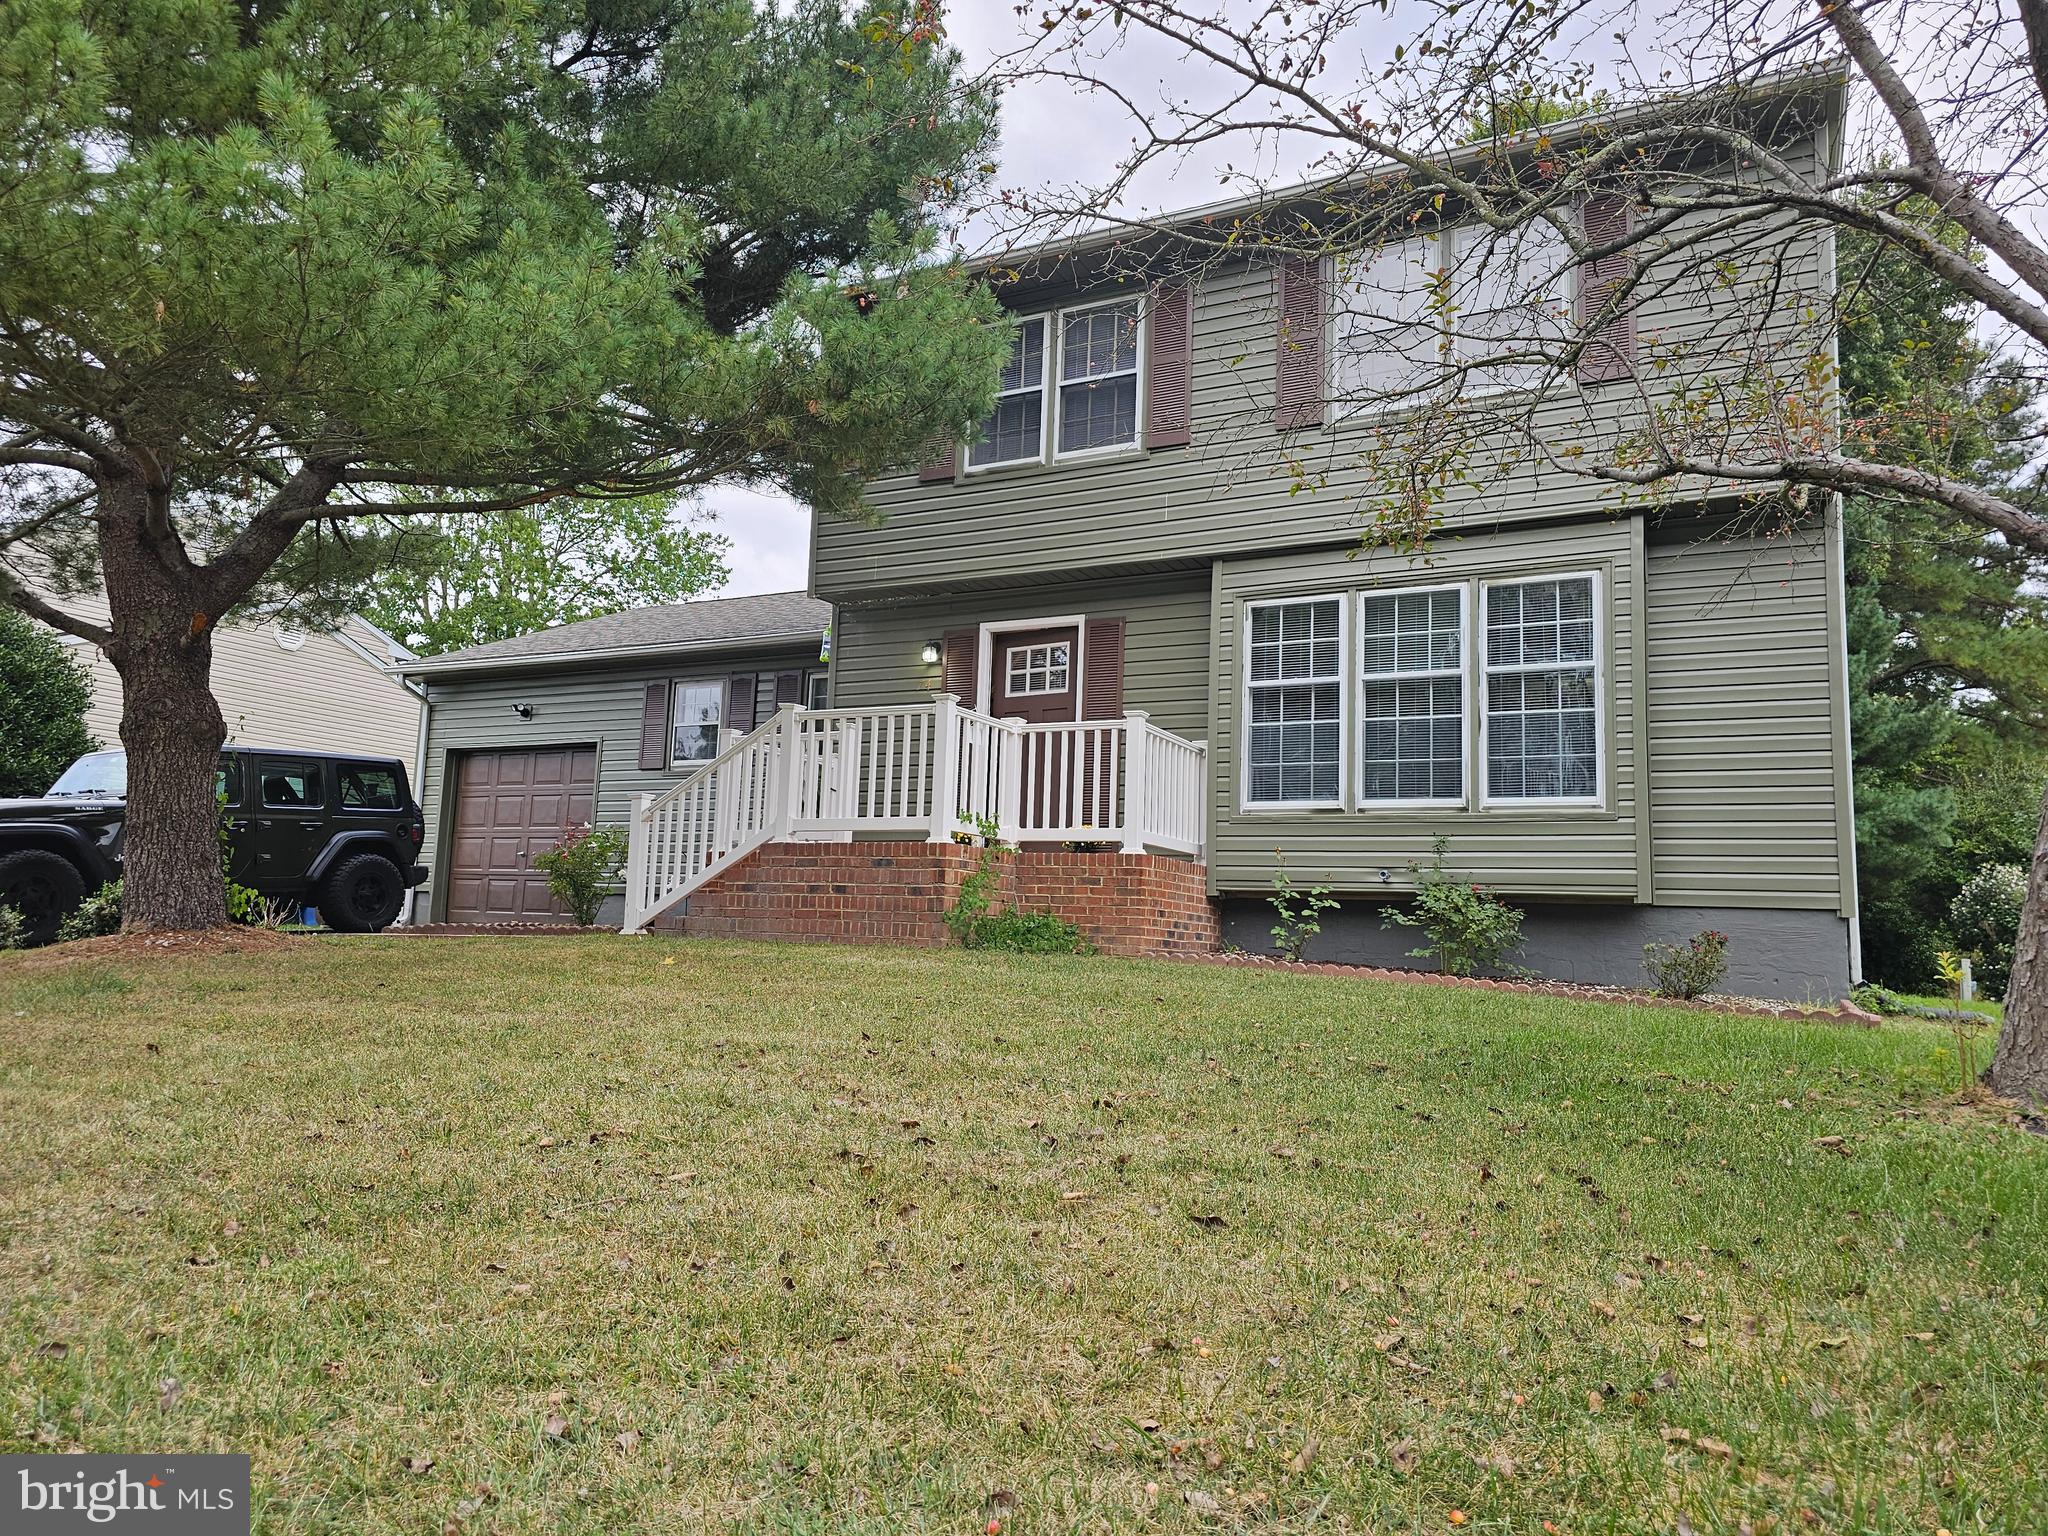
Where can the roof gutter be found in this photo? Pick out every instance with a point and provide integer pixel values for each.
(440, 666)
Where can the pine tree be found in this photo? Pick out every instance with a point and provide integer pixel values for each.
(267, 271)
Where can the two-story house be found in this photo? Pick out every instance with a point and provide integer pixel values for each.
(1629, 717)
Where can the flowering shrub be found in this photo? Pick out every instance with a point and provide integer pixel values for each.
(1470, 929)
(1986, 919)
(1300, 912)
(1687, 971)
(580, 868)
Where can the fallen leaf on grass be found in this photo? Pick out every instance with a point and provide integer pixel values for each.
(627, 1441)
(1208, 1219)
(1713, 1447)
(1696, 1341)
(1838, 1341)
(419, 1466)
(1305, 1457)
(555, 1427)
(1202, 1503)
(1832, 1144)
(1402, 1454)
(169, 1390)
(56, 1349)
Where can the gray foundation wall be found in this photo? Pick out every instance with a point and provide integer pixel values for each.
(1797, 955)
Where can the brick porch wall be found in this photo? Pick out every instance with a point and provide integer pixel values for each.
(897, 893)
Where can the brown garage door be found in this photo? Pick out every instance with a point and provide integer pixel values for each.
(510, 806)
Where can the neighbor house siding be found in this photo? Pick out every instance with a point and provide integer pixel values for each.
(1572, 852)
(1238, 488)
(1745, 774)
(326, 695)
(599, 705)
(1166, 642)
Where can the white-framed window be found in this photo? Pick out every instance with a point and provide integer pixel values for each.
(1014, 432)
(1294, 703)
(1098, 377)
(694, 718)
(1541, 721)
(1029, 669)
(1413, 309)
(1411, 709)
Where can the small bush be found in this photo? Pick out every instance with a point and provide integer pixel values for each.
(1986, 919)
(1469, 928)
(1300, 913)
(1690, 970)
(581, 867)
(1026, 933)
(10, 928)
(95, 917)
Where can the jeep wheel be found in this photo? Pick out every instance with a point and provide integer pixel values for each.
(362, 894)
(43, 887)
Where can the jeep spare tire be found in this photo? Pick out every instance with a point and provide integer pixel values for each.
(362, 894)
(41, 886)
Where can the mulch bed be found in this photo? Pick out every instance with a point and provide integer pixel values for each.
(143, 946)
(1844, 1012)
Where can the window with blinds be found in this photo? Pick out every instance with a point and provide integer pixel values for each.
(1294, 738)
(1412, 696)
(1542, 700)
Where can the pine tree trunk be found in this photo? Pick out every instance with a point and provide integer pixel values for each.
(172, 727)
(2020, 1068)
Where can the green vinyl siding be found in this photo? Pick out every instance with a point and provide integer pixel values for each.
(1236, 490)
(1747, 796)
(594, 706)
(1587, 852)
(1166, 642)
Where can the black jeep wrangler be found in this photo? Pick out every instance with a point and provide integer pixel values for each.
(335, 830)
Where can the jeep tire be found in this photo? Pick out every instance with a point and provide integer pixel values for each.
(43, 887)
(362, 894)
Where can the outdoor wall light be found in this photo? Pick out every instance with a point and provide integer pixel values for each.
(930, 654)
(523, 711)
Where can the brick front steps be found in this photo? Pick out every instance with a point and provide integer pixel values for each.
(898, 893)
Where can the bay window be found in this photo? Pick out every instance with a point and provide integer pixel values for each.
(1481, 694)
(1294, 737)
(1412, 703)
(1542, 700)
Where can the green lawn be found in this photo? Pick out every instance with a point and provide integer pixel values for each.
(602, 1235)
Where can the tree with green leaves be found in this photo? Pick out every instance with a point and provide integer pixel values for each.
(1948, 627)
(269, 271)
(455, 580)
(44, 694)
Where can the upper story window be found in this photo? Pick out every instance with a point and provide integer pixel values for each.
(1087, 360)
(1099, 377)
(1014, 432)
(1488, 302)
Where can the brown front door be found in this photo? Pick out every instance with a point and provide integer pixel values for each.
(510, 806)
(1035, 675)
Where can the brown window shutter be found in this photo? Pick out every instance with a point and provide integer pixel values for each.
(654, 728)
(1102, 670)
(938, 462)
(789, 688)
(961, 649)
(739, 702)
(1169, 362)
(1298, 372)
(1609, 352)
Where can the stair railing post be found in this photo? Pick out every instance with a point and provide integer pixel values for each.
(945, 767)
(638, 836)
(1137, 796)
(1010, 740)
(782, 813)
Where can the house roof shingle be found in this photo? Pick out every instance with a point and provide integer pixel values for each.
(704, 624)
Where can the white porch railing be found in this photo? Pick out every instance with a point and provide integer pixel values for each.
(922, 770)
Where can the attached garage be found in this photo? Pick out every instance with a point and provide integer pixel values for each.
(529, 736)
(509, 808)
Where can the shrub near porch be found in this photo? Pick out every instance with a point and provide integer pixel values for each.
(595, 1235)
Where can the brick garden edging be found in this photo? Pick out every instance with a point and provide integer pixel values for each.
(489, 930)
(1844, 1012)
